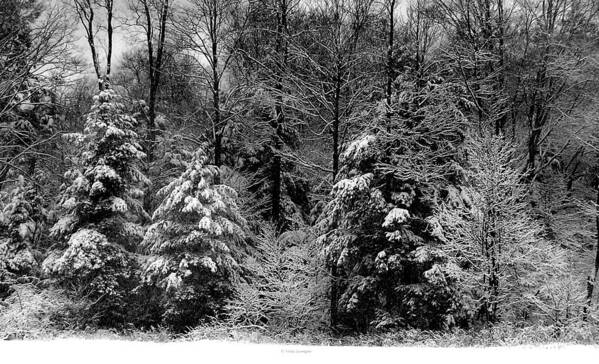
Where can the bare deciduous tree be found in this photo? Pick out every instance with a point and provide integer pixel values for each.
(34, 53)
(337, 60)
(86, 11)
(152, 16)
(210, 30)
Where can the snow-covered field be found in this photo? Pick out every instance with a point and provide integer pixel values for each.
(80, 351)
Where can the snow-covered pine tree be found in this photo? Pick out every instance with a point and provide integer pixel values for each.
(101, 207)
(379, 223)
(22, 220)
(196, 230)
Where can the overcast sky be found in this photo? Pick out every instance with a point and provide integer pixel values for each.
(126, 37)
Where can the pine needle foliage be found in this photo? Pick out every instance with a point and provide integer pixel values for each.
(379, 224)
(194, 242)
(22, 224)
(101, 208)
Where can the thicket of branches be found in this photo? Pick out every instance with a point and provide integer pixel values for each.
(344, 165)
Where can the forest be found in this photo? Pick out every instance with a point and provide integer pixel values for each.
(302, 170)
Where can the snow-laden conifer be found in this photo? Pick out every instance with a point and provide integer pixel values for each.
(101, 207)
(193, 239)
(107, 181)
(380, 215)
(22, 220)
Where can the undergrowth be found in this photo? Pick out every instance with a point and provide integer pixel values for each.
(35, 313)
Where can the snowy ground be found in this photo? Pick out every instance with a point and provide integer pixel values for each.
(80, 351)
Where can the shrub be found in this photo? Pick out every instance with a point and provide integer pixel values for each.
(284, 290)
(29, 312)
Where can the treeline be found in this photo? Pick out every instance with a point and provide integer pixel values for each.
(351, 165)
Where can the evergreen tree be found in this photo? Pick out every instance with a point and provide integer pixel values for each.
(379, 224)
(101, 208)
(194, 238)
(22, 221)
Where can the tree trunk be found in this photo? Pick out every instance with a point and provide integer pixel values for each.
(155, 71)
(281, 49)
(334, 296)
(593, 277)
(500, 123)
(216, 98)
(336, 122)
(109, 7)
(87, 20)
(218, 137)
(276, 170)
(390, 45)
(155, 64)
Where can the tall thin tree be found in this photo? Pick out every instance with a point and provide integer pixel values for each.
(211, 30)
(86, 11)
